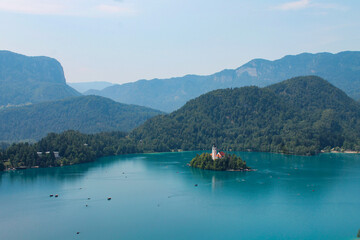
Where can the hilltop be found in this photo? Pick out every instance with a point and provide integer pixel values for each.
(341, 69)
(87, 114)
(26, 80)
(301, 115)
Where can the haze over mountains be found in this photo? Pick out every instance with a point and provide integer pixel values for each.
(87, 114)
(25, 80)
(302, 115)
(341, 69)
(86, 86)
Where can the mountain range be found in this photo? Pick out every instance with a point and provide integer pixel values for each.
(87, 114)
(26, 80)
(341, 69)
(301, 115)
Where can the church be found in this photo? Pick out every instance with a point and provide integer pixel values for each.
(215, 154)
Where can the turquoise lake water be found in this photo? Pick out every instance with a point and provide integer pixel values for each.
(154, 197)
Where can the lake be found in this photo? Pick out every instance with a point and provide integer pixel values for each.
(153, 196)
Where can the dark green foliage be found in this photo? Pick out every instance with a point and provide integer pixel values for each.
(88, 114)
(299, 116)
(341, 69)
(73, 147)
(26, 80)
(228, 162)
(2, 158)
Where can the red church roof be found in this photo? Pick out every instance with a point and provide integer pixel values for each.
(220, 154)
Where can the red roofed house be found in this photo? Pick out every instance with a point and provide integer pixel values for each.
(215, 154)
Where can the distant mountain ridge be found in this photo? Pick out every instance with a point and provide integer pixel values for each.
(87, 114)
(341, 69)
(302, 115)
(25, 80)
(86, 86)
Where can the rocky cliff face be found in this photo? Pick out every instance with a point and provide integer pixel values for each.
(26, 80)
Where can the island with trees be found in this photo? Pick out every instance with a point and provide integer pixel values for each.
(219, 162)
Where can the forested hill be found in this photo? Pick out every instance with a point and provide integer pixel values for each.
(341, 69)
(302, 115)
(26, 80)
(312, 93)
(87, 114)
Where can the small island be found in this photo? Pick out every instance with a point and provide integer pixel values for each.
(219, 161)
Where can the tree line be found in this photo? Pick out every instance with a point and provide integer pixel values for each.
(73, 147)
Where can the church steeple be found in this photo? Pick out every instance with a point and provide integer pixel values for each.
(214, 152)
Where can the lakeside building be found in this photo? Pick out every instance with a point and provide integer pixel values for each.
(56, 154)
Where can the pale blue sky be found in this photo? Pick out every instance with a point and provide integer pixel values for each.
(127, 40)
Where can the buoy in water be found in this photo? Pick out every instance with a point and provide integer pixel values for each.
(196, 185)
(109, 198)
(56, 195)
(51, 195)
(77, 232)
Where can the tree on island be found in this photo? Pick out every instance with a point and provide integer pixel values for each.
(2, 166)
(227, 162)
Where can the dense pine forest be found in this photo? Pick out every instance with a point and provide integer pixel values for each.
(302, 116)
(87, 114)
(73, 148)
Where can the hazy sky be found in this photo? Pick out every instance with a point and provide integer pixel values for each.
(127, 40)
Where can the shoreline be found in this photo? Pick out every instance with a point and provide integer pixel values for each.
(233, 170)
(346, 152)
(230, 170)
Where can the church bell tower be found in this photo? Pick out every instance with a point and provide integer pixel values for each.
(214, 152)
